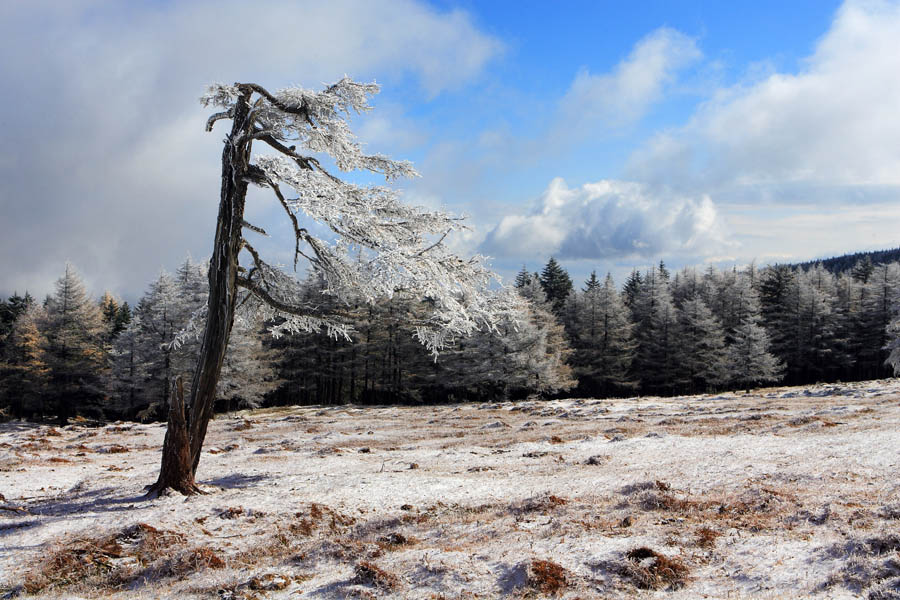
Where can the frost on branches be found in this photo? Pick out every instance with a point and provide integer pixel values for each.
(379, 245)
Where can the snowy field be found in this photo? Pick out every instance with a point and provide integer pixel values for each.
(781, 493)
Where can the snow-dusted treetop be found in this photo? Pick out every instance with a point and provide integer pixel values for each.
(381, 245)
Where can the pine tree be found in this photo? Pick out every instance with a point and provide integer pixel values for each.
(602, 339)
(878, 311)
(533, 291)
(631, 291)
(24, 374)
(523, 277)
(109, 308)
(593, 284)
(701, 339)
(75, 348)
(777, 289)
(557, 285)
(862, 270)
(161, 317)
(663, 272)
(656, 359)
(128, 373)
(748, 357)
(10, 310)
(123, 317)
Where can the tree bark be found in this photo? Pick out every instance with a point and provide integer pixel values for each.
(176, 472)
(223, 273)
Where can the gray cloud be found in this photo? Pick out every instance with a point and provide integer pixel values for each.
(610, 220)
(105, 162)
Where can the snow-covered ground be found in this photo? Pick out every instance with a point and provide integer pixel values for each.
(781, 493)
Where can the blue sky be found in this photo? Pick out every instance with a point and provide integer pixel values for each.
(608, 134)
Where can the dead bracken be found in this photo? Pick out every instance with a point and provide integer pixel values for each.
(368, 573)
(547, 577)
(133, 555)
(650, 570)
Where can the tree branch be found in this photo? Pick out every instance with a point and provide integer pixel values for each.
(266, 297)
(302, 161)
(257, 261)
(228, 114)
(252, 227)
(294, 110)
(299, 232)
(446, 233)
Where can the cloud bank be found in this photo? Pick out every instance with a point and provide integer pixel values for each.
(609, 220)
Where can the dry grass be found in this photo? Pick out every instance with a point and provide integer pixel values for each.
(706, 537)
(137, 554)
(647, 569)
(547, 577)
(564, 502)
(370, 574)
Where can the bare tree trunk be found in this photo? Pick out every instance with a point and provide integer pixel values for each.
(223, 272)
(176, 472)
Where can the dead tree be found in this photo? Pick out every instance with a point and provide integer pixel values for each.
(377, 244)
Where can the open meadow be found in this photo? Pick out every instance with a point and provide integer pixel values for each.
(777, 493)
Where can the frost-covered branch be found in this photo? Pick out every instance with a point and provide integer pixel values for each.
(227, 114)
(380, 245)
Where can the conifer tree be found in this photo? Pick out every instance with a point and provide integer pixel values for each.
(75, 347)
(109, 309)
(10, 310)
(161, 317)
(632, 289)
(748, 357)
(557, 285)
(523, 277)
(878, 311)
(656, 358)
(778, 311)
(602, 339)
(593, 284)
(701, 341)
(862, 270)
(24, 374)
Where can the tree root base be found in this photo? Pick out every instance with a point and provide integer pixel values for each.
(185, 489)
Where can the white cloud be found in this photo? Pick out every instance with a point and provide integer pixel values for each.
(835, 122)
(610, 220)
(624, 95)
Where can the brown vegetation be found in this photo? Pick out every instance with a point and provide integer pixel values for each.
(135, 554)
(547, 577)
(649, 570)
(368, 573)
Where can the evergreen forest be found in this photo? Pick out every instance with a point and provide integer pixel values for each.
(658, 333)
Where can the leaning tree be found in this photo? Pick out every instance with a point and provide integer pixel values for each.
(375, 245)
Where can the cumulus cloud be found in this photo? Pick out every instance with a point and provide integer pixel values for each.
(105, 161)
(834, 122)
(610, 220)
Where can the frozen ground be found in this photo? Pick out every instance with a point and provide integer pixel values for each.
(782, 493)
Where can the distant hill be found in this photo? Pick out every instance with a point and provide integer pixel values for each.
(845, 262)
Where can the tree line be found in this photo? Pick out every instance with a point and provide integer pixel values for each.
(660, 333)
(704, 331)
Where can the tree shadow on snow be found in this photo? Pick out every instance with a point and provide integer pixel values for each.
(235, 481)
(102, 500)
